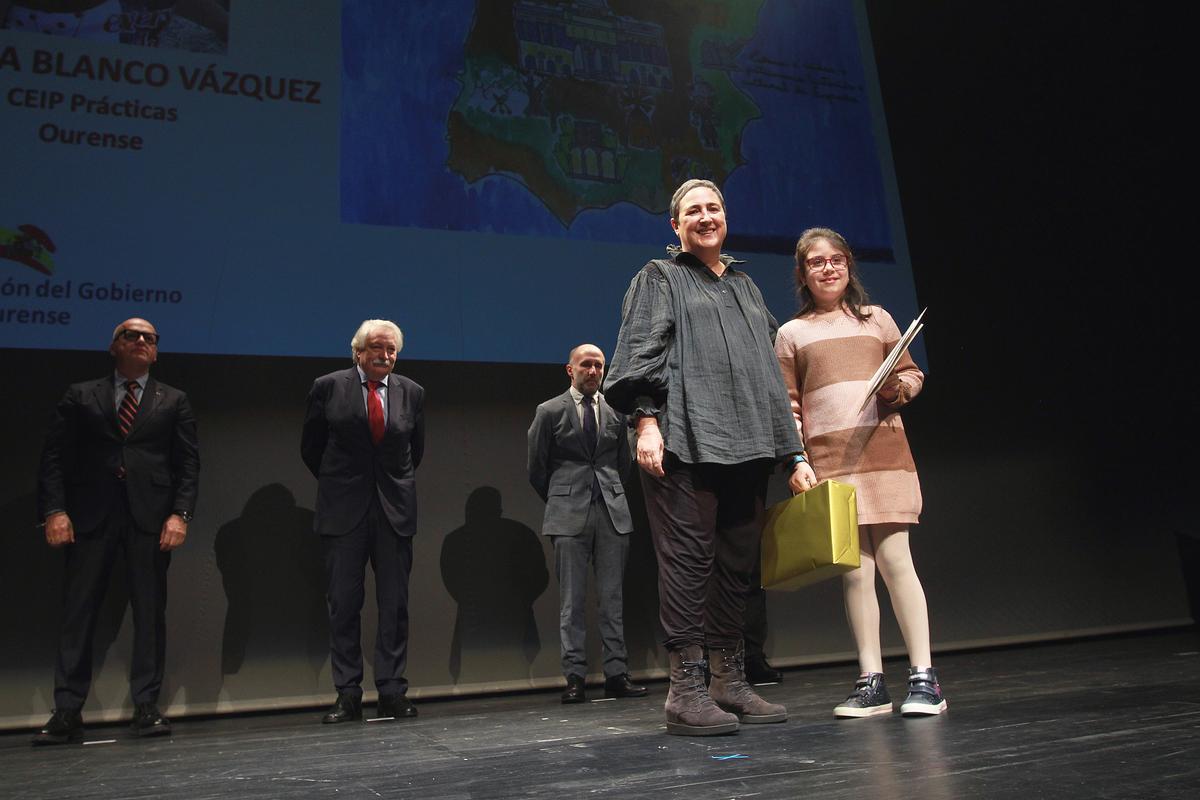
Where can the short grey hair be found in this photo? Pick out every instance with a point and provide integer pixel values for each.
(686, 187)
(359, 342)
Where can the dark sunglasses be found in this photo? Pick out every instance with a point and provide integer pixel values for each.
(133, 336)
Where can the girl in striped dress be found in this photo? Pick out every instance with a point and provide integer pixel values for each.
(828, 354)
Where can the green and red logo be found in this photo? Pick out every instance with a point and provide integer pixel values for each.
(28, 245)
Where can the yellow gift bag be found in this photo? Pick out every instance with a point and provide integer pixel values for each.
(811, 537)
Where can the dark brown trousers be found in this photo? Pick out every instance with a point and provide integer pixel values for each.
(706, 522)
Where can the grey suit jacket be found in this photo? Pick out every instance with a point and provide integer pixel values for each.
(561, 470)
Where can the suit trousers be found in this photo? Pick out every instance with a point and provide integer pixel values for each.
(346, 557)
(598, 544)
(89, 565)
(706, 521)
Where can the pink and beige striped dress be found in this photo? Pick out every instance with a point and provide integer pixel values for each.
(827, 362)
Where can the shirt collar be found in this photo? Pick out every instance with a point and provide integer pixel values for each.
(577, 395)
(680, 256)
(121, 380)
(362, 377)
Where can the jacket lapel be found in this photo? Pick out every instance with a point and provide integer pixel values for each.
(355, 397)
(395, 403)
(572, 414)
(104, 395)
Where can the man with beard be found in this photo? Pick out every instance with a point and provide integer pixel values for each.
(578, 451)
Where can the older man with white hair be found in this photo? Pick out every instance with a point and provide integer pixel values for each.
(363, 438)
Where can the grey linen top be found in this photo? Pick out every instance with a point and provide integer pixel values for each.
(696, 351)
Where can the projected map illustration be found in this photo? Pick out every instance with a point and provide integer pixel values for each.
(473, 162)
(579, 118)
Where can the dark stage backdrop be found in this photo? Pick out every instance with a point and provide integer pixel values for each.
(1044, 435)
(1012, 547)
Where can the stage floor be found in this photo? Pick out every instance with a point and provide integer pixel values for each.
(1110, 718)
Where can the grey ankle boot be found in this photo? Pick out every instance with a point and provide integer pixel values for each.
(732, 693)
(690, 710)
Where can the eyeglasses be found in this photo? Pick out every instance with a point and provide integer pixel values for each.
(133, 336)
(837, 261)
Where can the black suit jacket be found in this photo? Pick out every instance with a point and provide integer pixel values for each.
(84, 451)
(336, 446)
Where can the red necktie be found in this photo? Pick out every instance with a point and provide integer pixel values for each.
(129, 408)
(374, 412)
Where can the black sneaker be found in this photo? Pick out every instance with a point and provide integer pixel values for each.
(924, 694)
(870, 697)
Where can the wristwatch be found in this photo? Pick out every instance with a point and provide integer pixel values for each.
(185, 515)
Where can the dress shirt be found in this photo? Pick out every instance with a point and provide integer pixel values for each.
(119, 382)
(577, 396)
(380, 390)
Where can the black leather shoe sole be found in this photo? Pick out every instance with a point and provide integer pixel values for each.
(43, 739)
(621, 693)
(152, 730)
(403, 709)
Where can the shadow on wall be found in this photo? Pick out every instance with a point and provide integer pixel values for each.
(271, 568)
(31, 574)
(495, 569)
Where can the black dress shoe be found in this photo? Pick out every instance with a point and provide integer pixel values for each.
(759, 671)
(62, 727)
(149, 721)
(622, 686)
(575, 692)
(347, 708)
(395, 706)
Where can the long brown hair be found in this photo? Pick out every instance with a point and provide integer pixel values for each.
(855, 297)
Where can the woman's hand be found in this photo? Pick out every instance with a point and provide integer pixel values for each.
(650, 447)
(803, 478)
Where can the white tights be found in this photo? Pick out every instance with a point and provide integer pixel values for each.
(885, 547)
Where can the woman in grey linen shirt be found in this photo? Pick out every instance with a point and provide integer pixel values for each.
(696, 369)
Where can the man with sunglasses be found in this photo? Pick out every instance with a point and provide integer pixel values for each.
(118, 475)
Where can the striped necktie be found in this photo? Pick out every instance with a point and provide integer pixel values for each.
(129, 408)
